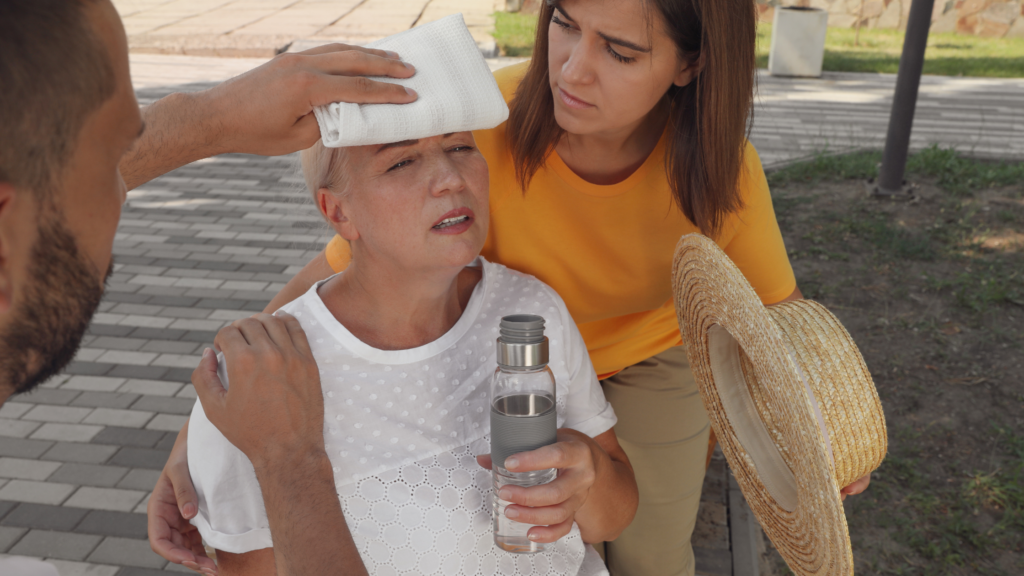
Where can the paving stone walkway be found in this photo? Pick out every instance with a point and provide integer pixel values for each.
(215, 240)
(797, 117)
(268, 27)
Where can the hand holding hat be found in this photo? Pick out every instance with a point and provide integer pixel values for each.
(790, 400)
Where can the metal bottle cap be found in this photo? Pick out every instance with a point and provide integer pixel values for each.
(522, 343)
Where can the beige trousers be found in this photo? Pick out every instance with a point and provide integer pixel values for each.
(664, 430)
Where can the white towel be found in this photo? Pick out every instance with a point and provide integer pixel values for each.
(457, 91)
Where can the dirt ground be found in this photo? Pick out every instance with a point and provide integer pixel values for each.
(932, 290)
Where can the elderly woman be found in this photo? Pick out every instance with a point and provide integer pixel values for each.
(404, 339)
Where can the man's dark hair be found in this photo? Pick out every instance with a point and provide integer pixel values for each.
(54, 72)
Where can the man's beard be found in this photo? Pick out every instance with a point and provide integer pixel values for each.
(47, 325)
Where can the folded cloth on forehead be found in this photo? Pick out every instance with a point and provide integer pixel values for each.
(457, 91)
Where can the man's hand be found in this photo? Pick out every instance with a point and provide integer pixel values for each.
(269, 110)
(266, 111)
(273, 412)
(552, 507)
(274, 409)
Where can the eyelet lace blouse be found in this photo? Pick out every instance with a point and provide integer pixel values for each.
(402, 429)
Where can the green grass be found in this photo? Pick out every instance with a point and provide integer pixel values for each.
(944, 530)
(938, 520)
(899, 242)
(954, 172)
(962, 175)
(986, 280)
(948, 54)
(859, 165)
(891, 241)
(985, 284)
(515, 32)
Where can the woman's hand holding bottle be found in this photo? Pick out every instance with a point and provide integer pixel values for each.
(588, 470)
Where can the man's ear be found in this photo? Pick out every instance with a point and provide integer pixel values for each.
(334, 208)
(7, 195)
(689, 71)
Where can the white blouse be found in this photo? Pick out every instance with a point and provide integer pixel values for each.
(402, 429)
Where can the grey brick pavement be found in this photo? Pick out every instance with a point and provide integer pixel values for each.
(796, 117)
(267, 27)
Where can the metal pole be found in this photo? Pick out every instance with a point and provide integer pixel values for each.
(897, 140)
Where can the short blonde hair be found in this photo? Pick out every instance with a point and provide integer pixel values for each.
(324, 167)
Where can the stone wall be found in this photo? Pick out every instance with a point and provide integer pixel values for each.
(989, 18)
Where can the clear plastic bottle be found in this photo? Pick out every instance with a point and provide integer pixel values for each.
(523, 418)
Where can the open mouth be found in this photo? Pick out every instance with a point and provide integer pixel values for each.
(447, 222)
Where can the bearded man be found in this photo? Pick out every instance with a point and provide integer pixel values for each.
(73, 141)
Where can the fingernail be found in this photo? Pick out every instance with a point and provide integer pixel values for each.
(511, 513)
(409, 66)
(207, 352)
(188, 510)
(504, 495)
(190, 565)
(511, 463)
(532, 536)
(391, 54)
(410, 91)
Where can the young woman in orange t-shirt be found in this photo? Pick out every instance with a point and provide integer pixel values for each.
(627, 129)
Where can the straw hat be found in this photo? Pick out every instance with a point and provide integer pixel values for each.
(790, 399)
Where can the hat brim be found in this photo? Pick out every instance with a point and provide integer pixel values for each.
(728, 331)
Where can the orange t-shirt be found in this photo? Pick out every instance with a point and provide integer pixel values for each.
(607, 250)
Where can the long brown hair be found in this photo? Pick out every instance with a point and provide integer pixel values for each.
(708, 118)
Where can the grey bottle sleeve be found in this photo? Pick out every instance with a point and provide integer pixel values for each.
(514, 434)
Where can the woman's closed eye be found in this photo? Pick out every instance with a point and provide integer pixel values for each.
(566, 27)
(617, 56)
(401, 164)
(560, 23)
(408, 161)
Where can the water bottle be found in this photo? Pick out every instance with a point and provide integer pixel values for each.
(522, 418)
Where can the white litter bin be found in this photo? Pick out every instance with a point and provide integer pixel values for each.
(798, 41)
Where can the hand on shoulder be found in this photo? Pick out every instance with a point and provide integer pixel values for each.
(273, 410)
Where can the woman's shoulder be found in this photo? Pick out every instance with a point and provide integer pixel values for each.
(298, 308)
(521, 293)
(511, 281)
(513, 292)
(752, 172)
(755, 209)
(315, 317)
(752, 184)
